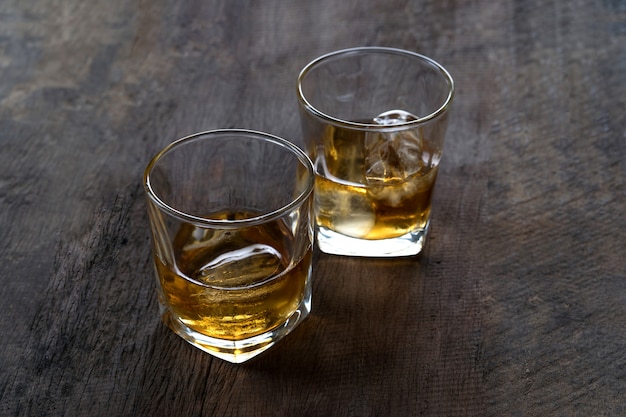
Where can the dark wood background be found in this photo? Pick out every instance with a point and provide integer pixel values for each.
(517, 307)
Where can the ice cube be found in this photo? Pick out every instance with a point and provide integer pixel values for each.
(241, 266)
(355, 226)
(343, 150)
(342, 206)
(397, 194)
(346, 211)
(394, 156)
(394, 117)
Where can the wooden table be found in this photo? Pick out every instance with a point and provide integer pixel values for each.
(517, 307)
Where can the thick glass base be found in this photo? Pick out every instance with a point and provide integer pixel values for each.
(335, 243)
(238, 351)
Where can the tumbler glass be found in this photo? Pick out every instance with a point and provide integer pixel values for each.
(232, 239)
(374, 121)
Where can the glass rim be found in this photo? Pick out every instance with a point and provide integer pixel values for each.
(230, 224)
(372, 126)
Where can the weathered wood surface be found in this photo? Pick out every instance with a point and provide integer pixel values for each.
(516, 308)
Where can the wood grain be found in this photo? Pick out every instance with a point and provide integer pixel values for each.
(517, 307)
